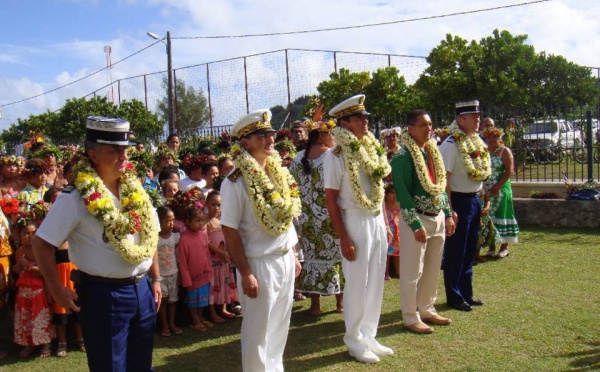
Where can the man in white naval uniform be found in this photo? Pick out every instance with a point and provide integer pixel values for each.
(266, 264)
(360, 224)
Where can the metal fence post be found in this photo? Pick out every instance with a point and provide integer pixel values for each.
(145, 92)
(287, 76)
(246, 84)
(334, 61)
(589, 143)
(209, 102)
(119, 89)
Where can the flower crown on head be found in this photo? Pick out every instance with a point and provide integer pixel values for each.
(286, 145)
(38, 211)
(12, 159)
(194, 162)
(322, 126)
(9, 205)
(187, 198)
(493, 131)
(442, 131)
(163, 151)
(390, 131)
(48, 151)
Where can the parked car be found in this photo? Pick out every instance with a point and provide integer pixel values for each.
(551, 133)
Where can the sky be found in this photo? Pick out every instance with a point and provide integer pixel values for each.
(50, 43)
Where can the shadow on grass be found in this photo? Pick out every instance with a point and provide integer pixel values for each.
(587, 360)
(313, 343)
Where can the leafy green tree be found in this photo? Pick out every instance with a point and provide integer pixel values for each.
(69, 124)
(144, 124)
(190, 106)
(504, 73)
(387, 97)
(342, 85)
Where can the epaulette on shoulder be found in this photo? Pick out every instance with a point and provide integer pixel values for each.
(237, 173)
(450, 139)
(337, 151)
(68, 189)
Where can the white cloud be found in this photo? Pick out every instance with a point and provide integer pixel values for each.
(564, 27)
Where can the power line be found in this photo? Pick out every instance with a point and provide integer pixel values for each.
(80, 79)
(365, 25)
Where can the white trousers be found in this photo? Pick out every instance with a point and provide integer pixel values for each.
(266, 319)
(364, 276)
(420, 268)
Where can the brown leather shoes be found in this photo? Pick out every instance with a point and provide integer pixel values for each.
(437, 320)
(419, 327)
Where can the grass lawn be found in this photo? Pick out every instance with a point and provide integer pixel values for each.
(541, 313)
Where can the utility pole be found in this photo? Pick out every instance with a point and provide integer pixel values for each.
(170, 86)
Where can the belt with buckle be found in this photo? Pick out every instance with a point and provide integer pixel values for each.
(420, 211)
(467, 194)
(114, 281)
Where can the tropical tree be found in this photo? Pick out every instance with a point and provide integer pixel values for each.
(342, 85)
(388, 97)
(190, 106)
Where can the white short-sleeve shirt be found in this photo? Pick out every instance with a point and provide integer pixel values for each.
(237, 212)
(188, 183)
(336, 178)
(69, 220)
(460, 180)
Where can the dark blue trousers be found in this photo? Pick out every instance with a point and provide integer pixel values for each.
(118, 323)
(460, 249)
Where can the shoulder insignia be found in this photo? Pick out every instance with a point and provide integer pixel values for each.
(450, 139)
(68, 189)
(337, 151)
(237, 173)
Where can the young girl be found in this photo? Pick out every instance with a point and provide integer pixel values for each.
(36, 171)
(62, 317)
(169, 188)
(393, 215)
(222, 282)
(33, 317)
(167, 262)
(195, 264)
(11, 183)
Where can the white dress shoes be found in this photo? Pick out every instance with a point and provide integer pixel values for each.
(365, 356)
(378, 349)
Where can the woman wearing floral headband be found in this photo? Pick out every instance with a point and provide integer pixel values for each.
(390, 137)
(11, 183)
(501, 203)
(322, 271)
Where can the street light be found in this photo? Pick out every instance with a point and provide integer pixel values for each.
(169, 79)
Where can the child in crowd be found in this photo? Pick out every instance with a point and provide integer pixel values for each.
(168, 189)
(195, 264)
(225, 165)
(63, 317)
(36, 171)
(392, 209)
(167, 262)
(222, 282)
(210, 171)
(11, 183)
(32, 319)
(51, 194)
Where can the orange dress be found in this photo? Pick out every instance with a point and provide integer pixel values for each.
(64, 268)
(33, 316)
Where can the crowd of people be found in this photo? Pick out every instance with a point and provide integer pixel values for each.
(107, 243)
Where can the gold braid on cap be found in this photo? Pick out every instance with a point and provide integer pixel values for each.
(350, 110)
(257, 125)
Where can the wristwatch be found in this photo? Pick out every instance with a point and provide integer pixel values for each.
(156, 280)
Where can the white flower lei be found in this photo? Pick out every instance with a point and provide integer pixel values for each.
(474, 152)
(276, 200)
(368, 154)
(421, 168)
(137, 214)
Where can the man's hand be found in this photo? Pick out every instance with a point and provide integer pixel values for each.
(156, 293)
(348, 248)
(250, 285)
(450, 226)
(298, 267)
(421, 235)
(65, 297)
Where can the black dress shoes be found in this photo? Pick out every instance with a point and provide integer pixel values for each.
(461, 306)
(474, 302)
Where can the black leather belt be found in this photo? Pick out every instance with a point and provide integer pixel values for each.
(419, 211)
(78, 277)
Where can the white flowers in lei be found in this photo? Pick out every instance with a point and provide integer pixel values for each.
(137, 214)
(366, 154)
(474, 152)
(276, 200)
(434, 189)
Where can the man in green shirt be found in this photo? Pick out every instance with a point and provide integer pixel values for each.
(419, 178)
